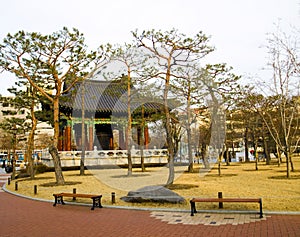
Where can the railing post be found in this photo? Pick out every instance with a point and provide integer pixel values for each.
(113, 197)
(260, 208)
(220, 195)
(74, 192)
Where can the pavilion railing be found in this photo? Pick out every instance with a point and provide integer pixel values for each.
(108, 157)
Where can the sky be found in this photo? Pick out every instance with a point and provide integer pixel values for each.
(238, 28)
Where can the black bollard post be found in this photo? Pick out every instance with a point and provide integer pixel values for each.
(113, 197)
(220, 195)
(35, 189)
(16, 186)
(8, 181)
(74, 192)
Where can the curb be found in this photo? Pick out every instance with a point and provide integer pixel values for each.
(157, 209)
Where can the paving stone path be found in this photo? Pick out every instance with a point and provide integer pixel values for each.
(206, 218)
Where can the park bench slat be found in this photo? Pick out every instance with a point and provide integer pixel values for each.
(226, 200)
(77, 195)
(58, 198)
(221, 200)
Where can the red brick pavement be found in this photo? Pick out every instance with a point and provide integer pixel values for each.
(24, 217)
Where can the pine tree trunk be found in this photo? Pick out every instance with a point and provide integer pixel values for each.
(246, 145)
(142, 140)
(128, 134)
(53, 148)
(57, 165)
(30, 147)
(191, 160)
(168, 127)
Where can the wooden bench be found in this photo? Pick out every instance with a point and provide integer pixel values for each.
(96, 198)
(221, 200)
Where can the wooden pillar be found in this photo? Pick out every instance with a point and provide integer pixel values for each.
(68, 136)
(111, 143)
(91, 135)
(60, 141)
(146, 137)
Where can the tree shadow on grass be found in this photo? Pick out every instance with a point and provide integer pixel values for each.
(126, 176)
(201, 170)
(283, 177)
(222, 168)
(284, 171)
(78, 175)
(39, 178)
(222, 175)
(54, 184)
(181, 186)
(259, 169)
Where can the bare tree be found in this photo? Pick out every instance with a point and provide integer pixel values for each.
(222, 89)
(132, 61)
(189, 88)
(172, 51)
(279, 106)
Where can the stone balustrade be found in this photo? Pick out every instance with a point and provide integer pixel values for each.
(108, 157)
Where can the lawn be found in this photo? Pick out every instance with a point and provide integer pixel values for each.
(237, 180)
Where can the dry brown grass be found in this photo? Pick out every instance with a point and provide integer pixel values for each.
(236, 180)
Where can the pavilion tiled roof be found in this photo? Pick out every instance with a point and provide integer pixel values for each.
(103, 96)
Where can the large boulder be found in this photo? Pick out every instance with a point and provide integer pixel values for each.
(153, 194)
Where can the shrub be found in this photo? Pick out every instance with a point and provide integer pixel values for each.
(41, 168)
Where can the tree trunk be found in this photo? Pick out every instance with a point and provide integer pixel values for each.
(204, 157)
(53, 148)
(57, 165)
(246, 145)
(30, 146)
(292, 163)
(256, 159)
(191, 160)
(188, 130)
(287, 154)
(219, 163)
(227, 157)
(168, 127)
(82, 158)
(56, 120)
(278, 155)
(256, 154)
(142, 141)
(13, 162)
(266, 148)
(221, 154)
(171, 176)
(142, 159)
(128, 134)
